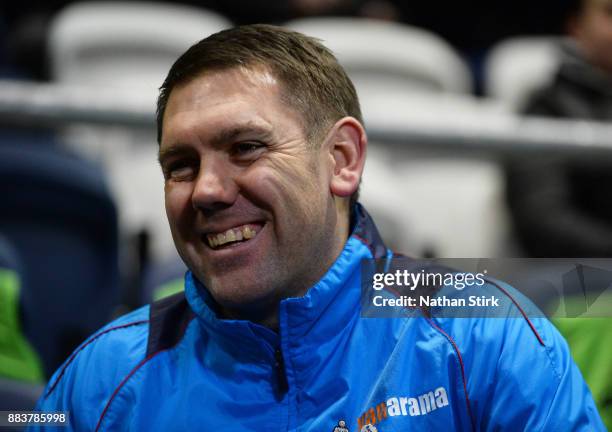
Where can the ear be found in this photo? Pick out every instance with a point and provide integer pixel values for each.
(347, 150)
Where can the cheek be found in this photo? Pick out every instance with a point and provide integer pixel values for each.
(178, 204)
(288, 196)
(273, 180)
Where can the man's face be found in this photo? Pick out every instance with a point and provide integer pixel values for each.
(592, 28)
(247, 197)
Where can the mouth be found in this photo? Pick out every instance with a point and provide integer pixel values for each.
(232, 237)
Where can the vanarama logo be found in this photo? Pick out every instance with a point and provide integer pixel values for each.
(405, 406)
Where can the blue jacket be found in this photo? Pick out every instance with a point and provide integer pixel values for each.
(175, 366)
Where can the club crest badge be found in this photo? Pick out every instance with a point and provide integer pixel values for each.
(341, 427)
(369, 428)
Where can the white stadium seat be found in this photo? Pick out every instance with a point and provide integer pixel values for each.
(125, 43)
(403, 55)
(516, 67)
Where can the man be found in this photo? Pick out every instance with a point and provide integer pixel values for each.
(560, 206)
(262, 148)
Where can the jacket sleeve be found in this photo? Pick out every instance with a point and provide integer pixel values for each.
(540, 387)
(82, 386)
(520, 375)
(59, 396)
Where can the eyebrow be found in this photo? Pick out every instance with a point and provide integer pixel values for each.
(169, 152)
(219, 139)
(225, 136)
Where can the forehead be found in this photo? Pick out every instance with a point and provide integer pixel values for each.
(220, 87)
(237, 95)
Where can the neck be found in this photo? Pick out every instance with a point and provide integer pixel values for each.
(266, 312)
(267, 318)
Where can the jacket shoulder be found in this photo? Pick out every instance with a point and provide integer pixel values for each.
(518, 369)
(86, 380)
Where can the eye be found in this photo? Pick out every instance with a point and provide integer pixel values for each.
(179, 170)
(247, 149)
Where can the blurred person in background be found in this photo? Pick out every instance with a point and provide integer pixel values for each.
(562, 208)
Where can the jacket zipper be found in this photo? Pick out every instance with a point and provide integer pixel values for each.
(279, 364)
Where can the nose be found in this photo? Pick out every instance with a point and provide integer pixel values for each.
(215, 186)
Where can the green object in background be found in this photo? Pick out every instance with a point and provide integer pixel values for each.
(168, 289)
(18, 360)
(590, 341)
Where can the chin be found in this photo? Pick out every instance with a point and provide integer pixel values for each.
(234, 294)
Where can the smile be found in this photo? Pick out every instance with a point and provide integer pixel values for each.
(233, 235)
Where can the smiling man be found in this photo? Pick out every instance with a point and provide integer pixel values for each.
(262, 149)
(258, 210)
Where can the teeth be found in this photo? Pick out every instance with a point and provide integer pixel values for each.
(231, 235)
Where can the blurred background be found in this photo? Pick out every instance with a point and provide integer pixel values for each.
(488, 121)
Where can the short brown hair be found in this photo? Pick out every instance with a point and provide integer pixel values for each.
(313, 82)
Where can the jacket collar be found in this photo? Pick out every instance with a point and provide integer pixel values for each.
(324, 310)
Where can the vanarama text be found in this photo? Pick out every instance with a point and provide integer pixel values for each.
(405, 406)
